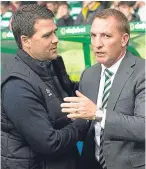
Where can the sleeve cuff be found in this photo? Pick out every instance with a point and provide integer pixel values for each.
(101, 116)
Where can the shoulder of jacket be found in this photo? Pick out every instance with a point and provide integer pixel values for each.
(92, 68)
(138, 60)
(138, 64)
(17, 70)
(20, 68)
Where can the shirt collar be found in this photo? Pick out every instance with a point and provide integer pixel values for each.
(114, 67)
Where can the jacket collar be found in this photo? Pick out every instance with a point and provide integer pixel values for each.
(42, 68)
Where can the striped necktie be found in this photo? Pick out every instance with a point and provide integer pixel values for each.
(106, 93)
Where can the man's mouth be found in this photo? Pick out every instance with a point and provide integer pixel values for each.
(100, 53)
(54, 48)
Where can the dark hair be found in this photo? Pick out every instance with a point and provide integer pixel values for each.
(25, 17)
(122, 21)
(5, 3)
(128, 3)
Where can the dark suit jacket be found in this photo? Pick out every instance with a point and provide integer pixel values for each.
(35, 133)
(124, 132)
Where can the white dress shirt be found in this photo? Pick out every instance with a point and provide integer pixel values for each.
(101, 124)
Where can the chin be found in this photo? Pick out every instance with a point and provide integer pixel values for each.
(101, 61)
(54, 57)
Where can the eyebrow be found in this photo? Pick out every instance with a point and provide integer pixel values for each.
(92, 32)
(49, 33)
(100, 32)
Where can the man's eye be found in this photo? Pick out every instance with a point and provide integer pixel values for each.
(93, 35)
(106, 36)
(46, 36)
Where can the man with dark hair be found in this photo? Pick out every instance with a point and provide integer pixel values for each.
(35, 133)
(127, 8)
(113, 97)
(62, 17)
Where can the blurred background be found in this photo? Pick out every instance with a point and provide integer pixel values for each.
(74, 19)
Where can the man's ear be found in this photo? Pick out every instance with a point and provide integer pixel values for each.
(25, 41)
(125, 39)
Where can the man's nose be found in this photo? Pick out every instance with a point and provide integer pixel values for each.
(55, 39)
(98, 42)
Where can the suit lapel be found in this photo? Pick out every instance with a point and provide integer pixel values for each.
(123, 74)
(95, 84)
(94, 90)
